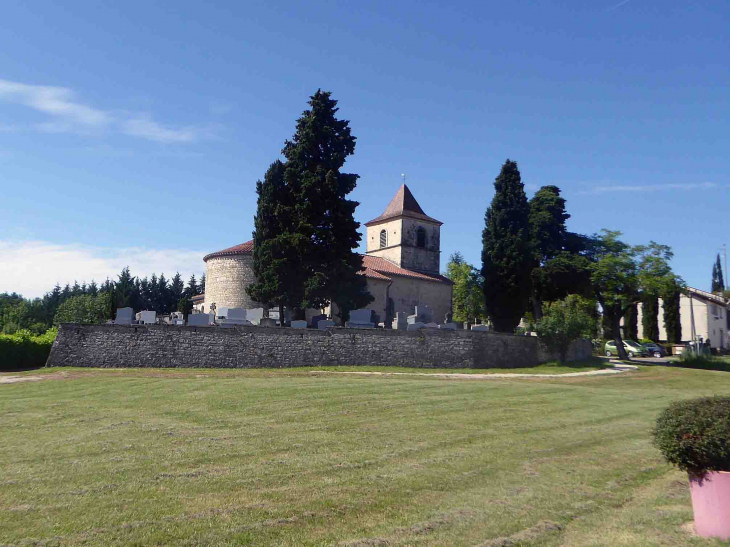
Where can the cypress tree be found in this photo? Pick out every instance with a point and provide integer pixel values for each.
(280, 272)
(718, 281)
(631, 323)
(650, 317)
(507, 257)
(672, 319)
(325, 231)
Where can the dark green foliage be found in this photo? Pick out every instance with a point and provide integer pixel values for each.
(177, 288)
(547, 223)
(84, 309)
(566, 273)
(324, 218)
(650, 317)
(672, 319)
(562, 323)
(695, 435)
(468, 292)
(185, 305)
(507, 256)
(125, 290)
(631, 323)
(23, 350)
(192, 288)
(607, 326)
(718, 281)
(201, 285)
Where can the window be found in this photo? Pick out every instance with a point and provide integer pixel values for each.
(421, 237)
(383, 239)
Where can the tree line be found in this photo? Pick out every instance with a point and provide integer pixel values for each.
(533, 266)
(95, 303)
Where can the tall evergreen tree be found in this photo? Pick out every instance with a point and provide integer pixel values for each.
(201, 285)
(66, 293)
(164, 305)
(177, 288)
(718, 281)
(507, 256)
(192, 288)
(325, 230)
(672, 319)
(92, 289)
(125, 290)
(76, 289)
(650, 316)
(153, 292)
(279, 271)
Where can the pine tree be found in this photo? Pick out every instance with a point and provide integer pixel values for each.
(177, 288)
(125, 290)
(65, 293)
(92, 289)
(153, 293)
(507, 256)
(650, 316)
(164, 305)
(280, 274)
(76, 289)
(325, 230)
(672, 319)
(192, 288)
(201, 285)
(718, 282)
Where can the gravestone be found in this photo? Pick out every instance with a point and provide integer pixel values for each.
(148, 318)
(415, 326)
(200, 319)
(324, 324)
(422, 314)
(401, 321)
(222, 312)
(124, 316)
(233, 324)
(255, 315)
(448, 326)
(267, 322)
(360, 319)
(317, 318)
(299, 324)
(480, 328)
(237, 316)
(431, 325)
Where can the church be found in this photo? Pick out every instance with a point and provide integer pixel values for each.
(401, 265)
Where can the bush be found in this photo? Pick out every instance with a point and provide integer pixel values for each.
(23, 350)
(563, 322)
(695, 435)
(702, 362)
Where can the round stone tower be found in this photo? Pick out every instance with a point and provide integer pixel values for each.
(227, 274)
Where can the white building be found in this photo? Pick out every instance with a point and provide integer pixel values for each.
(710, 313)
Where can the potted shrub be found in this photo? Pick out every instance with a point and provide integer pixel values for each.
(694, 435)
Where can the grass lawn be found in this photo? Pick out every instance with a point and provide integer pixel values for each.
(285, 457)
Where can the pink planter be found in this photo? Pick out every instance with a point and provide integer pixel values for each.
(711, 504)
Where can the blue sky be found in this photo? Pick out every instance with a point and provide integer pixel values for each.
(133, 133)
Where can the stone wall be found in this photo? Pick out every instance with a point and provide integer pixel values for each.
(258, 347)
(226, 279)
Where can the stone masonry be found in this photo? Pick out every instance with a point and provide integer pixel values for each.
(226, 280)
(161, 346)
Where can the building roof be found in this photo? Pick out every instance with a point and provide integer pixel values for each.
(242, 249)
(376, 267)
(198, 298)
(403, 205)
(708, 296)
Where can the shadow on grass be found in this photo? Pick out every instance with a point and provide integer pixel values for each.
(21, 368)
(594, 361)
(703, 363)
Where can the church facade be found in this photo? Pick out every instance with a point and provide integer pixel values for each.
(401, 265)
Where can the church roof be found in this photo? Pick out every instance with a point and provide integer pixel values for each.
(375, 267)
(242, 249)
(403, 205)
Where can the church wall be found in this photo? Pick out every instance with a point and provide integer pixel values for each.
(408, 293)
(160, 346)
(226, 279)
(393, 250)
(426, 259)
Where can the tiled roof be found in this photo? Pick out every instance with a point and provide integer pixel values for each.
(198, 298)
(242, 249)
(708, 296)
(403, 205)
(376, 267)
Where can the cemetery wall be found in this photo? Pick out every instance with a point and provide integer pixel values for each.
(259, 347)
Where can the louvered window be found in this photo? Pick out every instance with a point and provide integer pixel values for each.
(383, 239)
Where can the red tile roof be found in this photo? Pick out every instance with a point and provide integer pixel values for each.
(403, 205)
(242, 249)
(376, 267)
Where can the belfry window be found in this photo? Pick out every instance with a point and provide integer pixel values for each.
(383, 239)
(421, 237)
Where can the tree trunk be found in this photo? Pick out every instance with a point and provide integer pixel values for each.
(281, 315)
(616, 323)
(536, 308)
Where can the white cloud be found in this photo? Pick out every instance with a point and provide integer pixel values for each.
(32, 268)
(68, 115)
(650, 187)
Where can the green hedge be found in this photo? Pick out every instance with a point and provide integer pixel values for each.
(23, 350)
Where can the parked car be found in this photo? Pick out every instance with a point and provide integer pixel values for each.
(633, 349)
(655, 350)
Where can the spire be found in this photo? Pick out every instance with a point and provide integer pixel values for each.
(403, 204)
